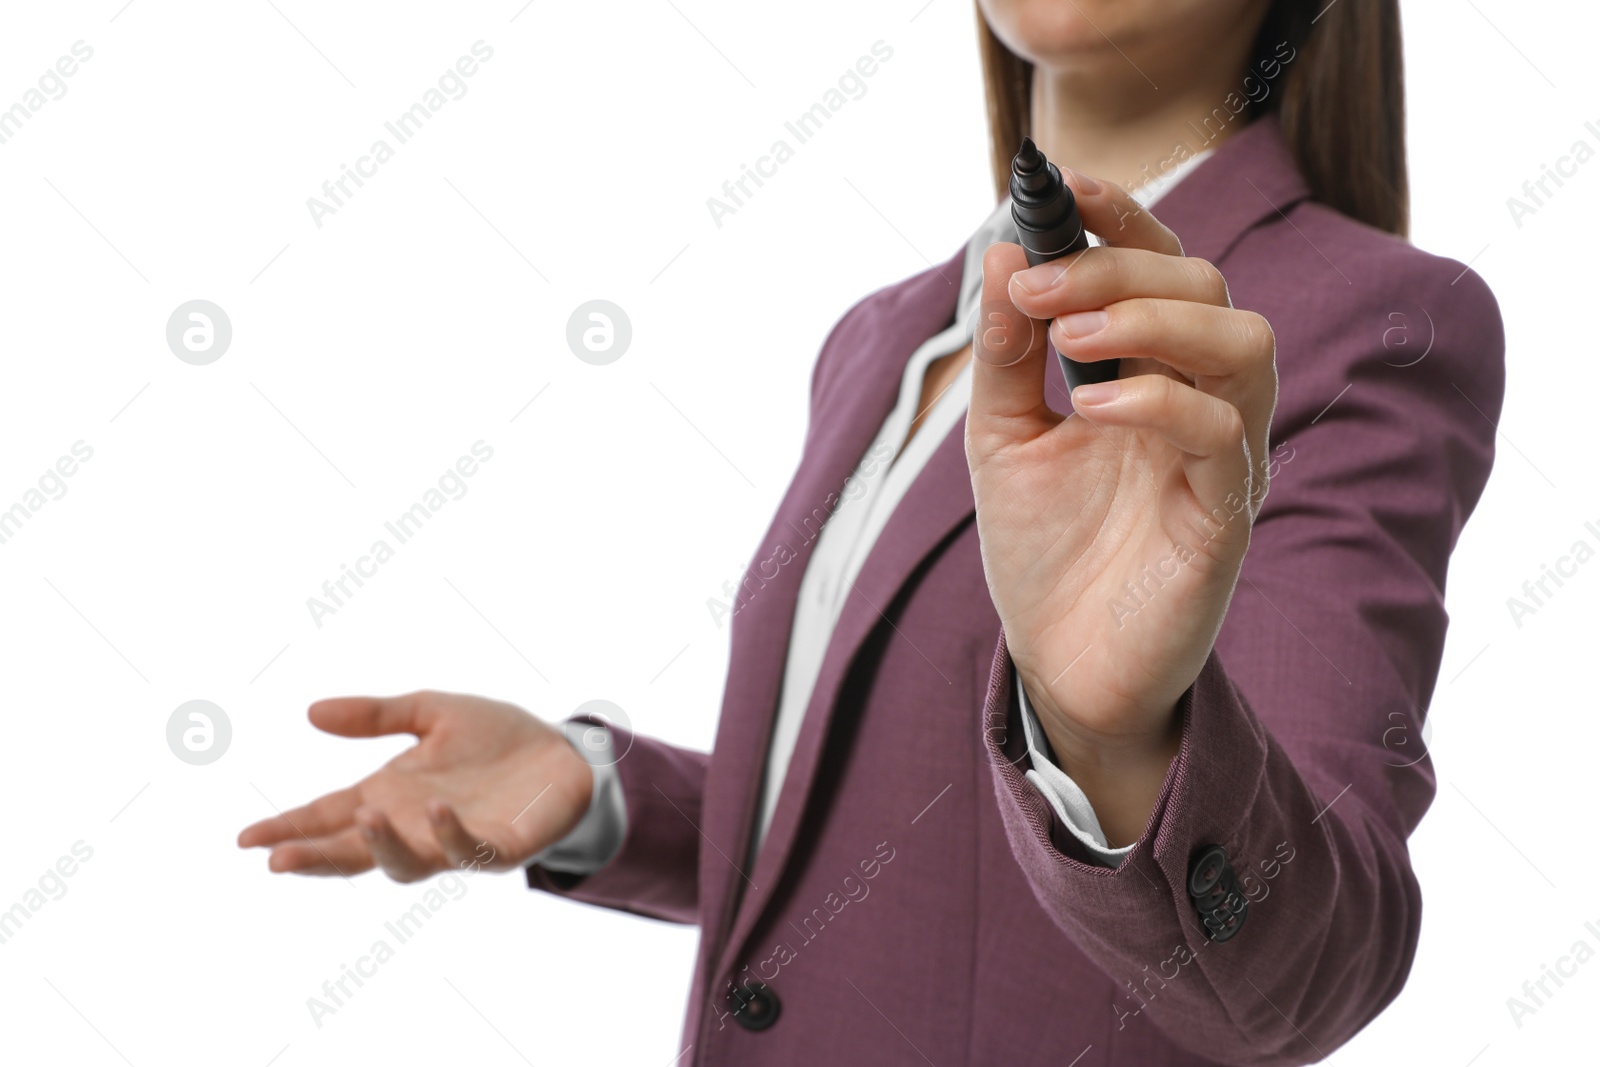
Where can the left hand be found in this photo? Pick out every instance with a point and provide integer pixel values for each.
(1155, 484)
(464, 796)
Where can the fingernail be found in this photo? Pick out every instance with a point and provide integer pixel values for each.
(368, 832)
(1095, 393)
(1040, 279)
(1083, 323)
(1081, 182)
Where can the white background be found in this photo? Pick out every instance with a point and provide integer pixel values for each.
(426, 314)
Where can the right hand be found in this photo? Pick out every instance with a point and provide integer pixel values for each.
(487, 785)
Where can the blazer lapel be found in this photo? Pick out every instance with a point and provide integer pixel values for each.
(938, 502)
(846, 419)
(1249, 178)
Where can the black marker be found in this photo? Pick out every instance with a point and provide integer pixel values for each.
(1048, 224)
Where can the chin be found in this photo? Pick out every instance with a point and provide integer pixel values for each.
(1056, 32)
(1160, 36)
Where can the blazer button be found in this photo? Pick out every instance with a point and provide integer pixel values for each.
(1222, 926)
(755, 1007)
(1206, 869)
(1214, 891)
(1208, 902)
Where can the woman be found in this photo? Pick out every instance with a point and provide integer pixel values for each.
(1118, 788)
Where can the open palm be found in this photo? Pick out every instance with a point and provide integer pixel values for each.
(487, 785)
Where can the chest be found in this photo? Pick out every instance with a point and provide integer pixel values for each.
(940, 375)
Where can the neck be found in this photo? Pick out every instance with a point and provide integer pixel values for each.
(1123, 130)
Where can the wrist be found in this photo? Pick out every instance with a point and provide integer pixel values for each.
(1107, 737)
(572, 774)
(1120, 773)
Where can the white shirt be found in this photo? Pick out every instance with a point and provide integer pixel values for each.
(872, 492)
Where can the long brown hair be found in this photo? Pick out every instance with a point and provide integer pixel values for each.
(1340, 100)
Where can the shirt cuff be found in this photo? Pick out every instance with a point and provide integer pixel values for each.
(1071, 806)
(597, 837)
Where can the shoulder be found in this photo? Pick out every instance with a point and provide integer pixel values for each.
(1391, 373)
(1331, 265)
(1349, 302)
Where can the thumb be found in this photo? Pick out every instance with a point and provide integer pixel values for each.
(374, 716)
(1009, 360)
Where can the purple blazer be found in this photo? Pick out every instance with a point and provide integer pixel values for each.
(916, 900)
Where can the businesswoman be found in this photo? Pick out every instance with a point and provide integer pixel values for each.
(1058, 728)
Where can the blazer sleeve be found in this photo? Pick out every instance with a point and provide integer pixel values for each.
(1301, 736)
(655, 871)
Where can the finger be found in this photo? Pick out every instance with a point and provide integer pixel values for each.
(1197, 340)
(1008, 360)
(1096, 277)
(461, 848)
(389, 850)
(1112, 214)
(411, 713)
(1208, 430)
(342, 854)
(325, 815)
(1224, 352)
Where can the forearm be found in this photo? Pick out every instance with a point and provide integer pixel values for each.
(1331, 871)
